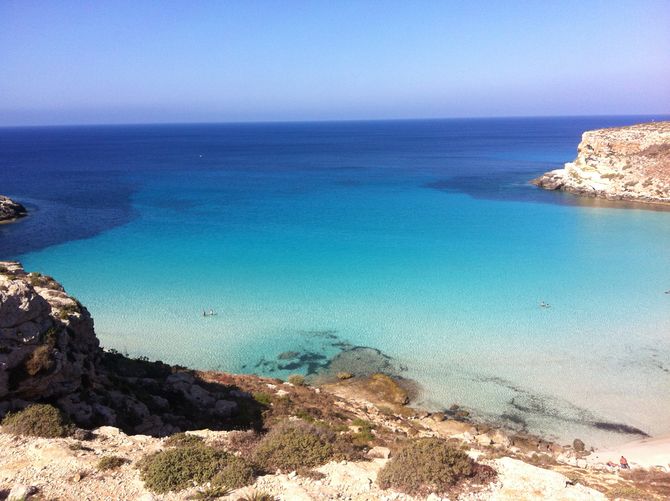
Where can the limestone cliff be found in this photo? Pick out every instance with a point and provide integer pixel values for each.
(49, 353)
(9, 209)
(623, 163)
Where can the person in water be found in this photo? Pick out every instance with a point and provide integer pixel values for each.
(544, 305)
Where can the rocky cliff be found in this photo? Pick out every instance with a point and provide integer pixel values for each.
(49, 353)
(623, 163)
(9, 209)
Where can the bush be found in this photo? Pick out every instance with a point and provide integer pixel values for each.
(296, 379)
(181, 467)
(183, 440)
(237, 473)
(243, 441)
(37, 420)
(39, 360)
(294, 444)
(262, 398)
(364, 436)
(425, 466)
(111, 462)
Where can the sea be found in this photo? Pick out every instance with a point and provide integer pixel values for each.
(415, 246)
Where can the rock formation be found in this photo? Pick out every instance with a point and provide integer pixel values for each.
(9, 209)
(49, 353)
(622, 163)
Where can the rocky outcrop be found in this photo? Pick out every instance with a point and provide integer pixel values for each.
(47, 344)
(624, 163)
(10, 210)
(49, 353)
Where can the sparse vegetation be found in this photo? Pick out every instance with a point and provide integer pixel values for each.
(181, 467)
(364, 436)
(654, 483)
(235, 474)
(294, 444)
(257, 496)
(111, 462)
(78, 446)
(296, 379)
(68, 310)
(243, 441)
(183, 440)
(262, 398)
(210, 493)
(39, 360)
(37, 420)
(424, 466)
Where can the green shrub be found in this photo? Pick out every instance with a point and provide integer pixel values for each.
(262, 398)
(37, 420)
(364, 435)
(111, 462)
(296, 379)
(424, 466)
(294, 444)
(181, 467)
(183, 440)
(237, 473)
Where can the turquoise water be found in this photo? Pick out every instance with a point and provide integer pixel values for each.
(420, 240)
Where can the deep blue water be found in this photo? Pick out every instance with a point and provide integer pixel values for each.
(419, 238)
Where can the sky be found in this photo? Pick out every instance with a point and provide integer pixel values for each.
(141, 61)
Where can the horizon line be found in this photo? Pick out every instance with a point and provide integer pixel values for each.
(327, 120)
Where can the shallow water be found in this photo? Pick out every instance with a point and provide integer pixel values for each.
(419, 238)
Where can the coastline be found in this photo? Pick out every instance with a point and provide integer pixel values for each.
(144, 401)
(630, 163)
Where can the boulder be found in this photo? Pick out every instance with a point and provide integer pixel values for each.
(21, 492)
(225, 408)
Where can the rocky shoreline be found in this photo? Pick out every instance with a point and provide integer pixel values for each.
(124, 408)
(623, 163)
(10, 210)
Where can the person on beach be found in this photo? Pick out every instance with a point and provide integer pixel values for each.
(623, 463)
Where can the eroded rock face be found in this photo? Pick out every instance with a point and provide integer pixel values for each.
(9, 209)
(49, 353)
(623, 163)
(47, 344)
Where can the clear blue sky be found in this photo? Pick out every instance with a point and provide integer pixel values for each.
(164, 61)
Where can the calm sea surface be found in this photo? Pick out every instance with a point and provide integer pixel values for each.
(421, 239)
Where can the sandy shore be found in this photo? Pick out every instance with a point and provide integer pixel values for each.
(647, 453)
